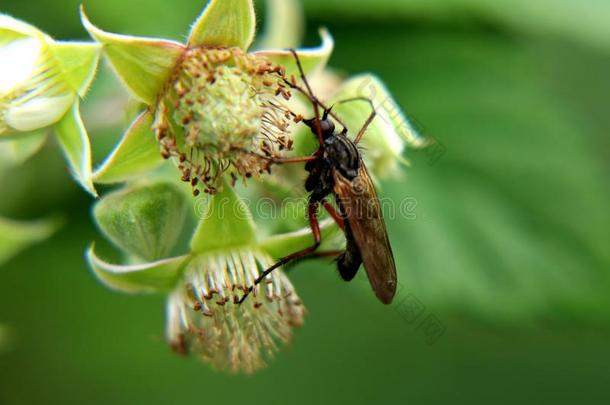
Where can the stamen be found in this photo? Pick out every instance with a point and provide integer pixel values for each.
(227, 106)
(205, 318)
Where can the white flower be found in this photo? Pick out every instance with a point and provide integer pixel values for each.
(227, 254)
(203, 315)
(33, 92)
(41, 81)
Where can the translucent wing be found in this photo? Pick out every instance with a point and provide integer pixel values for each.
(361, 207)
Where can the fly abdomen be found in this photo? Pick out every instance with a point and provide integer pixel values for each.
(349, 262)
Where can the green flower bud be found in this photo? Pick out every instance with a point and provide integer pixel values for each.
(144, 220)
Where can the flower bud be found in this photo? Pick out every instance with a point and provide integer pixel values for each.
(33, 91)
(145, 220)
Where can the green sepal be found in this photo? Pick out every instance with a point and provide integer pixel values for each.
(159, 276)
(285, 244)
(225, 23)
(312, 59)
(225, 221)
(145, 220)
(390, 120)
(78, 62)
(16, 236)
(142, 64)
(284, 25)
(74, 141)
(136, 153)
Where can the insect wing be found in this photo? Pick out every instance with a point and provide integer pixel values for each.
(362, 210)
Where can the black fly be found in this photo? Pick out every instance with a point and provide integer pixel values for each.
(337, 169)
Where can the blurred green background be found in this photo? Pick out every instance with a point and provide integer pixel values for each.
(509, 252)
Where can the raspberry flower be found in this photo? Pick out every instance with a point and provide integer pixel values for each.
(213, 108)
(219, 112)
(226, 254)
(41, 83)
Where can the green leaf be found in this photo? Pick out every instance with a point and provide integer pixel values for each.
(78, 61)
(74, 141)
(16, 236)
(507, 218)
(284, 25)
(7, 339)
(159, 276)
(279, 246)
(15, 151)
(312, 59)
(142, 64)
(136, 153)
(145, 220)
(225, 23)
(585, 21)
(225, 221)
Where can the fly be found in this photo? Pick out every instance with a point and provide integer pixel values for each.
(337, 170)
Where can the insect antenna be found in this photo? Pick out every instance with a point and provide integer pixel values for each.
(314, 101)
(368, 121)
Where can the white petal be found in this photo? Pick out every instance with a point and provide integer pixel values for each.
(9, 23)
(18, 62)
(38, 112)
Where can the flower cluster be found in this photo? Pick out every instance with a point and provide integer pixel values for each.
(214, 113)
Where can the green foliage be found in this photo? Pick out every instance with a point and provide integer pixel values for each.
(511, 226)
(511, 220)
(16, 236)
(584, 21)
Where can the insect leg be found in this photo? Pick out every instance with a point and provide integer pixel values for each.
(332, 253)
(301, 159)
(333, 213)
(280, 161)
(312, 211)
(313, 256)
